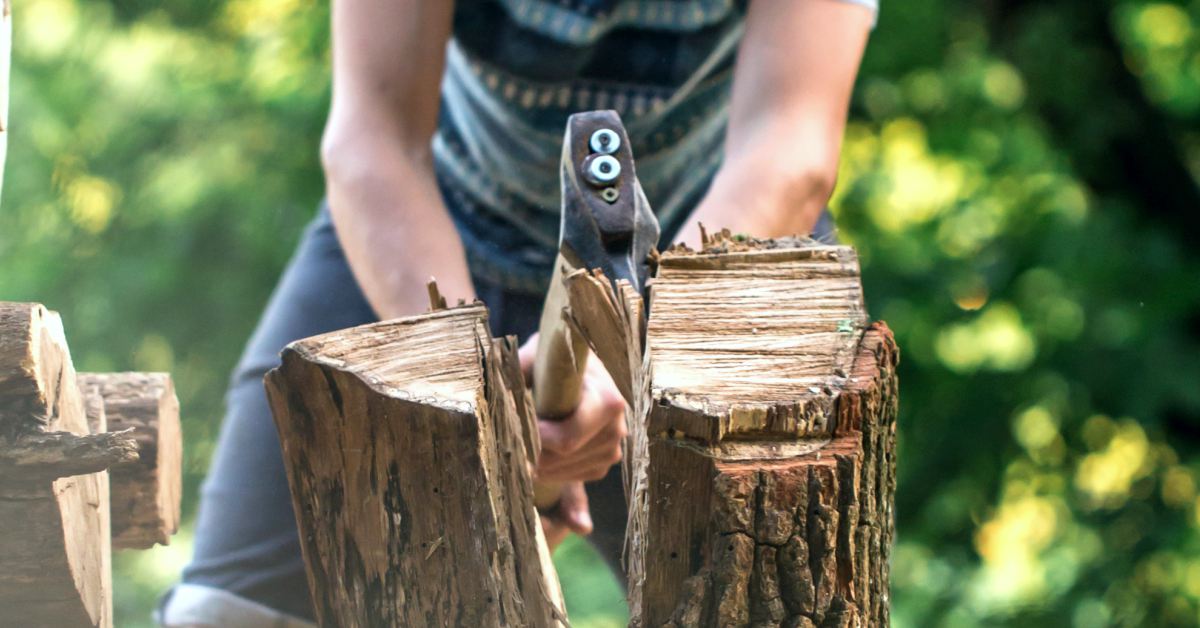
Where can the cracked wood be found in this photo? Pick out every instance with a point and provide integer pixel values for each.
(761, 459)
(408, 446)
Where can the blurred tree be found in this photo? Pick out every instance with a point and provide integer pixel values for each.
(1019, 176)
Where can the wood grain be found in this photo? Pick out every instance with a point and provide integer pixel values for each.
(55, 561)
(760, 467)
(407, 446)
(145, 493)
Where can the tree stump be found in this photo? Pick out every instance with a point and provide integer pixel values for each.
(408, 446)
(761, 464)
(55, 449)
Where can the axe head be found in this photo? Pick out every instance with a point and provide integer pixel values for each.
(607, 222)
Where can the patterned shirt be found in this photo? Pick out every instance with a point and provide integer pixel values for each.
(516, 69)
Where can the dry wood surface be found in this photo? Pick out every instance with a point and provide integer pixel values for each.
(145, 493)
(760, 466)
(409, 445)
(55, 562)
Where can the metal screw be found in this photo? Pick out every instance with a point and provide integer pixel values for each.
(602, 169)
(605, 141)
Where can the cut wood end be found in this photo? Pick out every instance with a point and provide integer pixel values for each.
(428, 358)
(753, 337)
(34, 361)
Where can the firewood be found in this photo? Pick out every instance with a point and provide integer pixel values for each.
(760, 466)
(409, 446)
(145, 493)
(55, 563)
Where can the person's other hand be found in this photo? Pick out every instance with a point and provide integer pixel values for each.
(571, 514)
(587, 443)
(581, 447)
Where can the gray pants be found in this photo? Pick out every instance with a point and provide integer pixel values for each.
(246, 540)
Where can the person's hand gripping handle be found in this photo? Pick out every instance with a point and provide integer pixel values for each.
(606, 224)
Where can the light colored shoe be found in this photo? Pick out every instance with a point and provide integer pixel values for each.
(197, 606)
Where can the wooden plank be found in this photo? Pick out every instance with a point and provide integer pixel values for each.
(408, 446)
(146, 493)
(55, 564)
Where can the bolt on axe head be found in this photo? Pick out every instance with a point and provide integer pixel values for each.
(607, 222)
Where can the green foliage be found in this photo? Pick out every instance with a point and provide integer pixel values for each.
(163, 158)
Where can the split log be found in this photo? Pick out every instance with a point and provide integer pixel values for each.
(761, 462)
(55, 563)
(408, 446)
(146, 493)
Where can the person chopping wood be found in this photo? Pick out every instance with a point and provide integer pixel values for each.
(441, 156)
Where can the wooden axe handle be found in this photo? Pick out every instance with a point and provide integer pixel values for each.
(558, 369)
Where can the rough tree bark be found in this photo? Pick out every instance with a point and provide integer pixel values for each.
(408, 446)
(55, 554)
(55, 449)
(145, 494)
(761, 461)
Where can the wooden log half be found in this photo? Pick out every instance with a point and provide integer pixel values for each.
(145, 493)
(760, 466)
(55, 560)
(408, 446)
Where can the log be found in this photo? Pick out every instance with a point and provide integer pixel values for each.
(55, 561)
(761, 458)
(408, 446)
(145, 493)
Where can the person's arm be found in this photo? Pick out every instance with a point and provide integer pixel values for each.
(388, 58)
(791, 91)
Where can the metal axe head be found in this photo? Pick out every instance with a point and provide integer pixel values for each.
(607, 222)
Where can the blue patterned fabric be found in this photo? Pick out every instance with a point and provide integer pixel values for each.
(517, 69)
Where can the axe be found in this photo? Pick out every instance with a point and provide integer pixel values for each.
(607, 224)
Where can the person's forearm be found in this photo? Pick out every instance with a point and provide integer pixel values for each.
(773, 183)
(393, 226)
(791, 91)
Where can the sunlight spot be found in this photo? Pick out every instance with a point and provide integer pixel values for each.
(1164, 25)
(48, 28)
(1106, 476)
(995, 340)
(922, 185)
(1035, 428)
(1003, 86)
(1178, 487)
(92, 200)
(970, 294)
(1010, 543)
